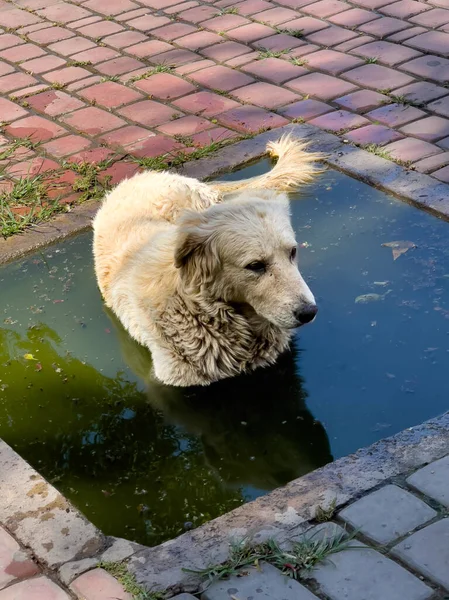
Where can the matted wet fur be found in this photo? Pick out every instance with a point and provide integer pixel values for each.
(205, 274)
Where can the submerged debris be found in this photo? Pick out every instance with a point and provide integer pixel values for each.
(366, 298)
(400, 247)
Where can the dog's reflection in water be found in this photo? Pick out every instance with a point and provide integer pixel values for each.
(255, 429)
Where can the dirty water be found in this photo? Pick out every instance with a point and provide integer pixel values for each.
(147, 462)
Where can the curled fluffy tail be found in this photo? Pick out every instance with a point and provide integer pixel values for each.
(295, 167)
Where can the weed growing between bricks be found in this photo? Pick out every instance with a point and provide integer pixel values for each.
(29, 201)
(401, 100)
(128, 581)
(296, 562)
(157, 69)
(264, 53)
(176, 160)
(26, 201)
(382, 153)
(90, 183)
(298, 62)
(30, 196)
(298, 33)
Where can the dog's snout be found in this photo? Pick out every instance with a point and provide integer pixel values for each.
(306, 313)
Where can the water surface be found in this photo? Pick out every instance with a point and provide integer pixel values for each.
(146, 462)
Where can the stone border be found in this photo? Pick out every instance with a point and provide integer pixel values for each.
(422, 190)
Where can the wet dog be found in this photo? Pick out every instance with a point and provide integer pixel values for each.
(205, 274)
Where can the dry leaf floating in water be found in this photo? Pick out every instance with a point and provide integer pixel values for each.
(29, 357)
(399, 247)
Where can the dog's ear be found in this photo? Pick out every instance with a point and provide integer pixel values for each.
(190, 237)
(196, 248)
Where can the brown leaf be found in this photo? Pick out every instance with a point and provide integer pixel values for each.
(400, 247)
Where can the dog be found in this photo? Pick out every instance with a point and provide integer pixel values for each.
(205, 274)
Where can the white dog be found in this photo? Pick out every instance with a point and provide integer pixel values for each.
(205, 274)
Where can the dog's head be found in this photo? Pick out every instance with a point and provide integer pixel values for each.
(244, 252)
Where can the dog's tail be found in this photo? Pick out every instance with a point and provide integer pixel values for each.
(295, 167)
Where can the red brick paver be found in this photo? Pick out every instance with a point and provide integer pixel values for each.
(110, 94)
(14, 563)
(20, 576)
(34, 589)
(86, 78)
(99, 585)
(411, 149)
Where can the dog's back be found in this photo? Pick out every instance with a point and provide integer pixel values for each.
(136, 210)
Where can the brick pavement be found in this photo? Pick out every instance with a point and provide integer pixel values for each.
(91, 80)
(22, 578)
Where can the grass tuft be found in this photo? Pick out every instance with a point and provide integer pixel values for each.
(296, 33)
(378, 151)
(156, 69)
(231, 10)
(128, 581)
(15, 145)
(110, 78)
(173, 160)
(90, 183)
(295, 562)
(265, 53)
(298, 62)
(30, 193)
(23, 202)
(79, 63)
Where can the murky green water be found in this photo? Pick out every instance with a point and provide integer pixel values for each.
(146, 462)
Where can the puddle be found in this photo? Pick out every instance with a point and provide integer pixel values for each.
(147, 462)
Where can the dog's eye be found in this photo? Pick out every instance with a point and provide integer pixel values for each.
(293, 253)
(257, 266)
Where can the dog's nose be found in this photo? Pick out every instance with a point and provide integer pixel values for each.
(306, 313)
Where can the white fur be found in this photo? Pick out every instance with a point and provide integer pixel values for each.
(171, 258)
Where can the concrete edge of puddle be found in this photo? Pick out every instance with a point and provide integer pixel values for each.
(418, 188)
(62, 539)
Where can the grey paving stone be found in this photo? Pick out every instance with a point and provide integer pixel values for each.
(427, 551)
(184, 597)
(387, 514)
(324, 531)
(433, 480)
(119, 550)
(266, 583)
(361, 573)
